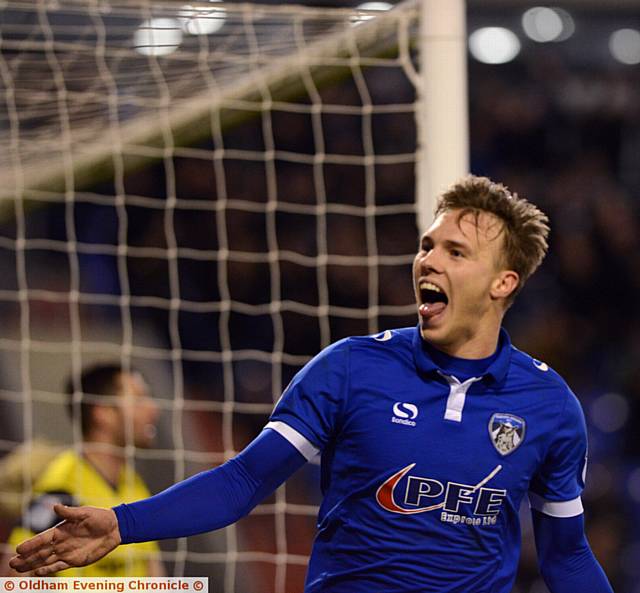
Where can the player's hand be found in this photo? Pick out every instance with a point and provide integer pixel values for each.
(85, 535)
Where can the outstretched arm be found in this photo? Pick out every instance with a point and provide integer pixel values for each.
(566, 561)
(207, 501)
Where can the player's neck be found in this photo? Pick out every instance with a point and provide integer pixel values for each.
(476, 346)
(105, 459)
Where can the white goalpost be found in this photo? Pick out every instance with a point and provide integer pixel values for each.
(442, 116)
(211, 192)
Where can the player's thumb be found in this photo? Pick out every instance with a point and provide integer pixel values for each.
(68, 513)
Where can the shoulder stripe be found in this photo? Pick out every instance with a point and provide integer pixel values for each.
(306, 448)
(563, 509)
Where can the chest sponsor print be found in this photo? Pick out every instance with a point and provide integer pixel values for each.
(458, 503)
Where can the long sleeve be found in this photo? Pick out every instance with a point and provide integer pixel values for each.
(566, 561)
(215, 498)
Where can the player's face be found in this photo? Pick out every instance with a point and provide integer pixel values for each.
(460, 284)
(139, 413)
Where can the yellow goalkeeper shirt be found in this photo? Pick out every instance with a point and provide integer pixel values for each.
(72, 480)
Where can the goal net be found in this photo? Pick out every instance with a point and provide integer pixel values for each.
(211, 193)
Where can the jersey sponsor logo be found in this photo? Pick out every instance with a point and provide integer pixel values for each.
(404, 413)
(506, 432)
(422, 494)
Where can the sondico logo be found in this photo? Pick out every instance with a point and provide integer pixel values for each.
(404, 414)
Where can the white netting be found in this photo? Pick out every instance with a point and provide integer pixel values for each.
(211, 193)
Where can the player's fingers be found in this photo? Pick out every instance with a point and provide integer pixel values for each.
(18, 563)
(57, 566)
(35, 557)
(32, 545)
(41, 557)
(67, 549)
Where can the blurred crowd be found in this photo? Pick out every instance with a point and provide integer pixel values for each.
(569, 141)
(565, 138)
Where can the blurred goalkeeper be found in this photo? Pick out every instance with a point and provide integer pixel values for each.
(430, 436)
(114, 402)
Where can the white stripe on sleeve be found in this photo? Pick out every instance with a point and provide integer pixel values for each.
(306, 449)
(566, 508)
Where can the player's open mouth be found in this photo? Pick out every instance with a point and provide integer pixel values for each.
(433, 300)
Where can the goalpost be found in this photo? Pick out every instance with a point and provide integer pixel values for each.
(211, 192)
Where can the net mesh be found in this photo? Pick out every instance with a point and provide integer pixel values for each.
(210, 193)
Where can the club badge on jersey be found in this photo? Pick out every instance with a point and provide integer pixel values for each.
(507, 432)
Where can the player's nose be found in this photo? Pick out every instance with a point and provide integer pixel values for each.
(430, 261)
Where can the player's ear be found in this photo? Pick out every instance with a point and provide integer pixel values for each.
(102, 416)
(504, 284)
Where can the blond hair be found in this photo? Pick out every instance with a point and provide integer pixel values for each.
(525, 228)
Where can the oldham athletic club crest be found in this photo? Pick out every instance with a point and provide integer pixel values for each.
(506, 431)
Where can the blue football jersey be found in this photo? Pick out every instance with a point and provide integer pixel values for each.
(423, 472)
